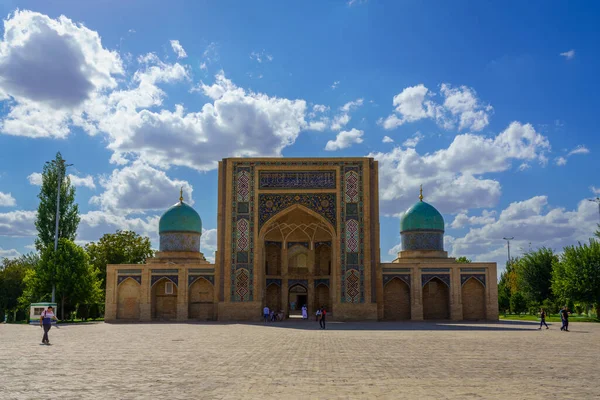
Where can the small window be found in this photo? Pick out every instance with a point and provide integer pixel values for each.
(169, 288)
(38, 311)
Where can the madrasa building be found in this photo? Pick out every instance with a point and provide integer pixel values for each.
(294, 232)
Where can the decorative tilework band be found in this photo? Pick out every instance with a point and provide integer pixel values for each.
(194, 278)
(432, 240)
(172, 278)
(122, 278)
(403, 277)
(465, 277)
(442, 277)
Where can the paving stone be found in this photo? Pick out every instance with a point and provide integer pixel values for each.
(295, 359)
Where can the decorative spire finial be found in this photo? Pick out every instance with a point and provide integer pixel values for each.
(421, 193)
(181, 195)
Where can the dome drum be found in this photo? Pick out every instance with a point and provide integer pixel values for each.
(180, 241)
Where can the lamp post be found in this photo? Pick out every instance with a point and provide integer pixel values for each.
(508, 239)
(59, 178)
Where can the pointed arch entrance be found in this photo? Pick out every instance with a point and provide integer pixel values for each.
(396, 300)
(473, 299)
(164, 299)
(296, 248)
(436, 299)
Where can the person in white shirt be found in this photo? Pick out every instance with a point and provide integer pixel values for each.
(266, 313)
(304, 312)
(46, 322)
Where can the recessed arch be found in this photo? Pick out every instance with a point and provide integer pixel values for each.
(473, 299)
(436, 299)
(201, 299)
(396, 300)
(164, 302)
(128, 299)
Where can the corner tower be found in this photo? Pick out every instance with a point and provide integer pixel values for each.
(422, 231)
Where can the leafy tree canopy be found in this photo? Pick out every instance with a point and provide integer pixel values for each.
(12, 285)
(46, 215)
(534, 274)
(463, 260)
(122, 247)
(576, 275)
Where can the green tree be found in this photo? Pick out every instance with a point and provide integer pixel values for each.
(534, 274)
(597, 233)
(12, 285)
(46, 215)
(576, 275)
(518, 303)
(463, 260)
(70, 270)
(122, 247)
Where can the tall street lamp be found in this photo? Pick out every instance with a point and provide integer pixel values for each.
(508, 239)
(60, 167)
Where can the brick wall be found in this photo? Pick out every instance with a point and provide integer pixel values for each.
(396, 300)
(436, 300)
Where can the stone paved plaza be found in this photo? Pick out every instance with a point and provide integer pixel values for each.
(505, 360)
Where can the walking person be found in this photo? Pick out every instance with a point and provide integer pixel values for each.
(266, 313)
(318, 315)
(543, 319)
(46, 322)
(304, 312)
(323, 315)
(565, 319)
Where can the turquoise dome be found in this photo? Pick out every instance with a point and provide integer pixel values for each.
(180, 218)
(422, 216)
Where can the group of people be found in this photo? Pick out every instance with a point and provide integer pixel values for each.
(270, 315)
(564, 317)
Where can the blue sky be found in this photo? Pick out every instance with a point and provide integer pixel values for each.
(489, 106)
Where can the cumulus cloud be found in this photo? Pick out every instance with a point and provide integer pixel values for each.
(560, 161)
(345, 139)
(85, 181)
(140, 187)
(18, 223)
(569, 55)
(208, 244)
(42, 94)
(387, 139)
(595, 190)
(529, 221)
(178, 49)
(94, 224)
(342, 119)
(6, 200)
(413, 141)
(460, 108)
(452, 177)
(335, 84)
(462, 219)
(11, 253)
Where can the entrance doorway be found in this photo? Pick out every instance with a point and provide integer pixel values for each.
(298, 297)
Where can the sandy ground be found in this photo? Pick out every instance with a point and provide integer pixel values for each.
(295, 359)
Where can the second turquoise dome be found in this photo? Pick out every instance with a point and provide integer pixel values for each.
(422, 216)
(180, 218)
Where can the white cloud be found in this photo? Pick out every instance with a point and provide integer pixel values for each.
(342, 119)
(208, 244)
(355, 2)
(452, 177)
(560, 161)
(94, 224)
(595, 190)
(524, 166)
(178, 49)
(18, 223)
(85, 181)
(203, 66)
(6, 200)
(569, 55)
(335, 84)
(261, 56)
(462, 219)
(345, 139)
(413, 141)
(531, 220)
(579, 150)
(80, 69)
(387, 139)
(11, 253)
(460, 107)
(140, 187)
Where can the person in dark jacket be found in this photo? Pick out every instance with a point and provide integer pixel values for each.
(543, 319)
(46, 322)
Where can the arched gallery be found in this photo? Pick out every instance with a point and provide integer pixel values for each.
(295, 232)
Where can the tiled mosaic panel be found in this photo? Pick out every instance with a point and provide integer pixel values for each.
(179, 241)
(194, 278)
(352, 235)
(296, 180)
(403, 277)
(242, 285)
(243, 234)
(243, 205)
(351, 187)
(172, 278)
(442, 277)
(466, 277)
(271, 204)
(121, 278)
(422, 241)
